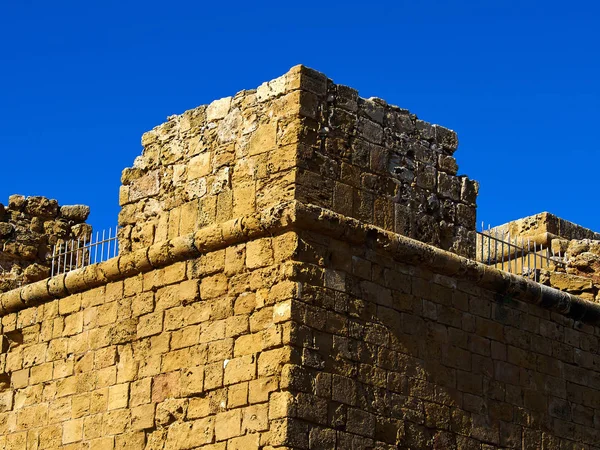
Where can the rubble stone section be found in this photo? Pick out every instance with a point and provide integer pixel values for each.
(579, 246)
(301, 137)
(581, 273)
(545, 222)
(29, 227)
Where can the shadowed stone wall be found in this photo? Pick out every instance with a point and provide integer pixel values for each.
(380, 164)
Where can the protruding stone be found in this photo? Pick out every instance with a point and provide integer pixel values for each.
(5, 229)
(76, 213)
(35, 272)
(218, 109)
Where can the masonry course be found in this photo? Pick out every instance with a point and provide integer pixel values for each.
(250, 309)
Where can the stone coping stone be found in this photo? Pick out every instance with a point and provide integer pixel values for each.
(294, 215)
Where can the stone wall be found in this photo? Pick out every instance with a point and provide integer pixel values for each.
(577, 247)
(179, 357)
(29, 227)
(396, 355)
(580, 274)
(274, 322)
(542, 224)
(233, 157)
(296, 329)
(380, 164)
(301, 137)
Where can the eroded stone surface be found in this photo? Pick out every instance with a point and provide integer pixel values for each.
(299, 137)
(29, 227)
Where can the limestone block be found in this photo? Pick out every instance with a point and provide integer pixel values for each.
(147, 185)
(228, 424)
(199, 166)
(76, 213)
(218, 109)
(263, 139)
(271, 89)
(239, 369)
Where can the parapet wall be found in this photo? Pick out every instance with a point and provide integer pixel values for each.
(300, 137)
(29, 227)
(380, 164)
(296, 329)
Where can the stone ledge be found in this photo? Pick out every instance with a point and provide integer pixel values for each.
(446, 263)
(296, 215)
(211, 238)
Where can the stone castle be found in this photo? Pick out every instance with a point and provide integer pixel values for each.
(298, 269)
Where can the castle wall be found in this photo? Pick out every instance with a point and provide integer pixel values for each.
(250, 309)
(29, 227)
(380, 164)
(302, 329)
(233, 157)
(187, 355)
(395, 355)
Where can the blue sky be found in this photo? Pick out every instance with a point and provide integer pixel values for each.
(81, 81)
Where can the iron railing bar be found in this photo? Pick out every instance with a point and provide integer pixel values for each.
(102, 247)
(65, 258)
(482, 228)
(53, 255)
(96, 248)
(489, 244)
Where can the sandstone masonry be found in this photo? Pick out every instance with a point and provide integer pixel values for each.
(579, 247)
(300, 137)
(250, 309)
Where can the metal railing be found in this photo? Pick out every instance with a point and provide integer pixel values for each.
(515, 254)
(78, 253)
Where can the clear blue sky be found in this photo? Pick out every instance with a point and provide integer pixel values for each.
(518, 81)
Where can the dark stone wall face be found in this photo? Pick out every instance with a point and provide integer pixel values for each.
(395, 356)
(29, 227)
(379, 164)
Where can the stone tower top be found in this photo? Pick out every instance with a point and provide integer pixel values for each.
(298, 137)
